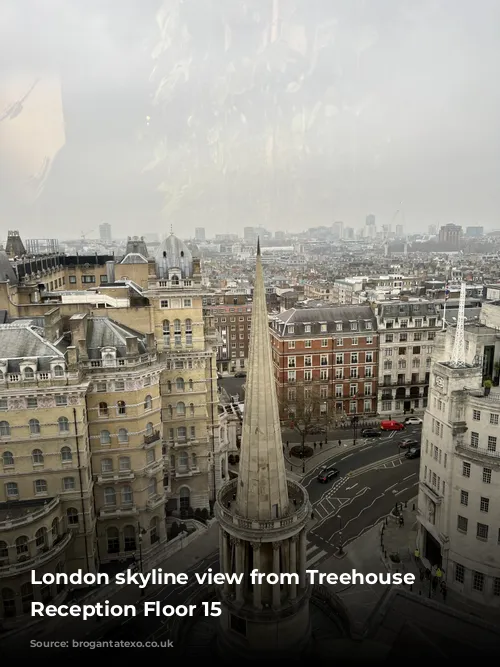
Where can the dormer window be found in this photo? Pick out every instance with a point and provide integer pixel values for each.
(58, 371)
(108, 356)
(29, 373)
(338, 326)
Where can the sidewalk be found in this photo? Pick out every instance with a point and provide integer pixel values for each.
(400, 541)
(294, 464)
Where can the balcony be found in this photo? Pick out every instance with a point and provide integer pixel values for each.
(153, 437)
(155, 501)
(126, 362)
(12, 569)
(25, 519)
(153, 468)
(188, 472)
(480, 452)
(115, 476)
(118, 512)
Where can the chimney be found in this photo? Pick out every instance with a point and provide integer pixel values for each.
(71, 356)
(132, 346)
(52, 325)
(78, 326)
(151, 342)
(82, 350)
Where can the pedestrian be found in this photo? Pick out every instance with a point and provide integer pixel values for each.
(312, 515)
(444, 590)
(417, 555)
(402, 520)
(439, 574)
(321, 445)
(314, 446)
(340, 443)
(287, 444)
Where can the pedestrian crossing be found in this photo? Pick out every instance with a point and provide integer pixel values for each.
(313, 554)
(328, 506)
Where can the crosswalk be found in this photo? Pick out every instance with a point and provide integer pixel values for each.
(314, 554)
(328, 506)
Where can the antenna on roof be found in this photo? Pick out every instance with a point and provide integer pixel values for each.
(458, 354)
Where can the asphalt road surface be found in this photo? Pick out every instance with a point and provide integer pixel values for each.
(233, 386)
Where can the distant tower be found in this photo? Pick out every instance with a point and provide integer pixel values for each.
(199, 234)
(263, 519)
(105, 232)
(458, 354)
(14, 246)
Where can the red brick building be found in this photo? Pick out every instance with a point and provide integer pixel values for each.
(330, 355)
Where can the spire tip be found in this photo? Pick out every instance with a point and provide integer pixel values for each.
(258, 246)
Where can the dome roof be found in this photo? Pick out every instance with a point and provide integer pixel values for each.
(173, 254)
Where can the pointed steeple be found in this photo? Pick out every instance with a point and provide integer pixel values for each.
(262, 491)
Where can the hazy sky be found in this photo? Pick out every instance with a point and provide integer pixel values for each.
(290, 114)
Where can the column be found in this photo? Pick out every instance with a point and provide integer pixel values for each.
(225, 565)
(293, 565)
(276, 570)
(239, 569)
(303, 558)
(257, 588)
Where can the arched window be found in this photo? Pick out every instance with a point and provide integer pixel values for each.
(129, 538)
(166, 333)
(107, 465)
(109, 496)
(8, 459)
(180, 409)
(123, 435)
(154, 530)
(63, 423)
(152, 487)
(127, 495)
(124, 463)
(22, 546)
(179, 384)
(4, 429)
(34, 425)
(105, 437)
(40, 486)
(150, 456)
(194, 461)
(72, 516)
(189, 332)
(177, 332)
(183, 462)
(29, 373)
(58, 371)
(122, 408)
(8, 602)
(190, 385)
(54, 529)
(148, 403)
(66, 455)
(103, 409)
(11, 490)
(113, 539)
(191, 409)
(184, 498)
(170, 411)
(175, 279)
(37, 456)
(169, 386)
(4, 551)
(149, 428)
(181, 434)
(41, 538)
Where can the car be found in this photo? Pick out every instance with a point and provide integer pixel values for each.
(370, 433)
(408, 444)
(317, 430)
(391, 425)
(414, 421)
(327, 473)
(413, 453)
(242, 374)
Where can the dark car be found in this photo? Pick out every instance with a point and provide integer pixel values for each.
(413, 453)
(370, 433)
(317, 429)
(408, 444)
(242, 374)
(326, 474)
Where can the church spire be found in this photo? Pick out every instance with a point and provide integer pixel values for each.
(262, 491)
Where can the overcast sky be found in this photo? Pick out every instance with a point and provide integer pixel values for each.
(347, 108)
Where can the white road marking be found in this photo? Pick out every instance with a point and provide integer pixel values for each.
(365, 448)
(391, 487)
(348, 488)
(356, 517)
(351, 500)
(346, 457)
(313, 553)
(406, 489)
(409, 476)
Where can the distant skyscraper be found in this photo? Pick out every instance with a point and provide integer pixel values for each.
(105, 232)
(432, 230)
(279, 236)
(338, 229)
(370, 220)
(450, 234)
(399, 231)
(474, 232)
(199, 233)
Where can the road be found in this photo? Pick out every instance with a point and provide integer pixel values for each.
(232, 385)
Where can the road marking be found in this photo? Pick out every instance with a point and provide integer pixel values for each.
(365, 448)
(409, 476)
(346, 457)
(348, 488)
(313, 553)
(351, 500)
(391, 487)
(357, 517)
(406, 488)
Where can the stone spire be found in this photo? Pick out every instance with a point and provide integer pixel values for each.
(262, 492)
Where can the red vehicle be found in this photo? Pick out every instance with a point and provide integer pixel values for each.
(391, 425)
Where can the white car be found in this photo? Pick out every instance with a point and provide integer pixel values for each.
(413, 420)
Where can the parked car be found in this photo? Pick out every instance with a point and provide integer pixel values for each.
(413, 453)
(370, 433)
(414, 421)
(241, 374)
(327, 473)
(391, 425)
(317, 430)
(408, 444)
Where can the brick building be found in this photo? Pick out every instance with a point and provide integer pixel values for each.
(232, 323)
(329, 354)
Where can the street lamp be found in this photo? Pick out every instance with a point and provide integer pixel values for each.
(341, 549)
(141, 532)
(354, 422)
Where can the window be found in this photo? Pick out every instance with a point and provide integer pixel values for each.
(148, 403)
(152, 486)
(124, 463)
(179, 384)
(107, 465)
(476, 415)
(324, 342)
(166, 332)
(37, 456)
(4, 429)
(464, 498)
(149, 429)
(188, 325)
(492, 443)
(494, 419)
(113, 540)
(88, 279)
(129, 538)
(459, 573)
(34, 426)
(127, 495)
(484, 504)
(462, 524)
(105, 437)
(103, 409)
(121, 408)
(180, 409)
(66, 455)
(154, 530)
(291, 362)
(188, 303)
(11, 490)
(63, 423)
(58, 371)
(291, 344)
(32, 403)
(40, 487)
(482, 531)
(109, 496)
(123, 435)
(163, 303)
(69, 484)
(487, 475)
(474, 439)
(466, 469)
(7, 459)
(177, 332)
(72, 515)
(478, 582)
